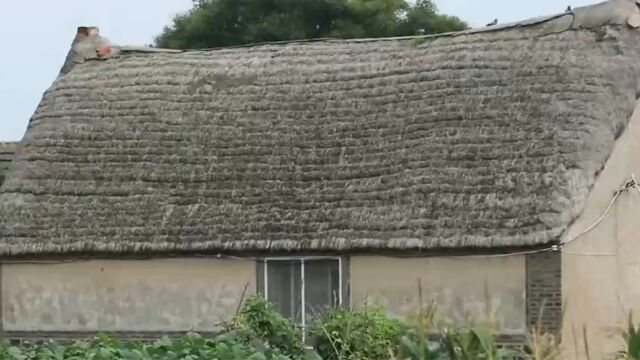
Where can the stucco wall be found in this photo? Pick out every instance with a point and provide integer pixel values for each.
(484, 289)
(149, 295)
(601, 269)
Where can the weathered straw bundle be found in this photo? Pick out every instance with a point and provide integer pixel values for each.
(7, 150)
(483, 139)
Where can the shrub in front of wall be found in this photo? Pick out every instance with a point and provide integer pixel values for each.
(259, 320)
(343, 334)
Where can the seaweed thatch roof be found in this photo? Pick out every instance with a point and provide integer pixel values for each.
(7, 151)
(483, 139)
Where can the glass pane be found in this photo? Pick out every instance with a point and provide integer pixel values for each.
(284, 284)
(322, 286)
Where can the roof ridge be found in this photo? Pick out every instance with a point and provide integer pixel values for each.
(605, 13)
(523, 23)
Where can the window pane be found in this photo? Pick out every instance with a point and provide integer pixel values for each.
(322, 286)
(284, 285)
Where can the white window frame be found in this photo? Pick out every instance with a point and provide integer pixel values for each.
(302, 260)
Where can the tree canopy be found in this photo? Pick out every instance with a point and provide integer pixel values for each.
(216, 23)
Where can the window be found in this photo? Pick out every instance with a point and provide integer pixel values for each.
(302, 288)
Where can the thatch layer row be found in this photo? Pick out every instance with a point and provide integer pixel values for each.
(7, 151)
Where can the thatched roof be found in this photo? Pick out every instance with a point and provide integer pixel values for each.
(7, 151)
(478, 139)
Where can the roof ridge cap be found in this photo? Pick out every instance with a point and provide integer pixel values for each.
(609, 12)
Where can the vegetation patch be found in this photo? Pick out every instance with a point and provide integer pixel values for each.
(259, 332)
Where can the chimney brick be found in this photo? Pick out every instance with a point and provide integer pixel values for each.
(88, 44)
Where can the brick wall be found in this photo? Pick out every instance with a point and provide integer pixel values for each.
(544, 291)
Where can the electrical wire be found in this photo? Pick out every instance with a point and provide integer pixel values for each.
(631, 183)
(635, 182)
(517, 253)
(570, 27)
(588, 253)
(598, 220)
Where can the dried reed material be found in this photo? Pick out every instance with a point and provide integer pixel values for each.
(481, 139)
(7, 151)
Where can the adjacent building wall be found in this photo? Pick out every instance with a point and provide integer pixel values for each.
(601, 269)
(488, 289)
(136, 295)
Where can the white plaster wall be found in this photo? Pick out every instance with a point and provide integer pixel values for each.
(488, 290)
(601, 269)
(110, 295)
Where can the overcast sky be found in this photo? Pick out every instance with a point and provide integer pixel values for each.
(35, 37)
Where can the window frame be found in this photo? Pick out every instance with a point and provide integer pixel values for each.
(262, 283)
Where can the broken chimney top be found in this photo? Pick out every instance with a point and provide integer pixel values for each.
(88, 30)
(88, 44)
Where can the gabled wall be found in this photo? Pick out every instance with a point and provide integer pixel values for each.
(601, 269)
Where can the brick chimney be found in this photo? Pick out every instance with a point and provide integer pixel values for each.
(88, 44)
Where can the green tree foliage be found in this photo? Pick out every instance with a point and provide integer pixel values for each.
(215, 23)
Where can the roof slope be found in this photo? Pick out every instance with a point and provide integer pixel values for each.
(482, 139)
(7, 151)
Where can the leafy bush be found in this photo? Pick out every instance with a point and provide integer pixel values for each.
(259, 320)
(191, 347)
(343, 334)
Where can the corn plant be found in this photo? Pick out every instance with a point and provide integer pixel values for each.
(415, 343)
(473, 344)
(631, 336)
(542, 345)
(415, 346)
